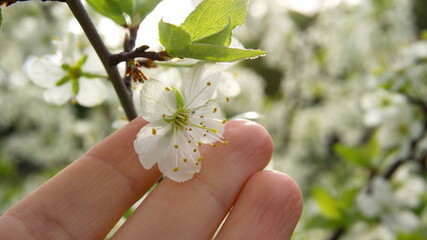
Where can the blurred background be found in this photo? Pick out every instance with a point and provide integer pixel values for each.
(342, 91)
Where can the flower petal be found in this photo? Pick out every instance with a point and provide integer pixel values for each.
(58, 95)
(91, 92)
(45, 72)
(182, 159)
(199, 84)
(156, 100)
(209, 117)
(151, 145)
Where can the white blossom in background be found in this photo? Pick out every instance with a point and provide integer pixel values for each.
(73, 73)
(380, 106)
(381, 202)
(181, 119)
(396, 120)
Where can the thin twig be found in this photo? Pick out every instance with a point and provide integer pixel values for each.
(139, 52)
(104, 54)
(10, 2)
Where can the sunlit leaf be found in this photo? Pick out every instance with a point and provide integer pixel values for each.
(174, 39)
(220, 53)
(221, 38)
(362, 155)
(212, 16)
(206, 33)
(116, 10)
(327, 204)
(110, 9)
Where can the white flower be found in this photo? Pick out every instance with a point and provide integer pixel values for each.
(181, 119)
(381, 202)
(70, 74)
(380, 106)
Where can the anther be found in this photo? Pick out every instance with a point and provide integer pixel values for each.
(194, 150)
(175, 169)
(208, 83)
(224, 121)
(153, 131)
(200, 159)
(214, 144)
(204, 135)
(214, 110)
(225, 143)
(176, 146)
(199, 144)
(189, 141)
(185, 160)
(167, 89)
(227, 99)
(201, 116)
(163, 115)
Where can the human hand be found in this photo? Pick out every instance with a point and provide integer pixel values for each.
(86, 199)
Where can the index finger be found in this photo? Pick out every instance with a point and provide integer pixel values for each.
(86, 199)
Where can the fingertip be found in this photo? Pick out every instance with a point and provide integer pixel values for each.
(278, 188)
(252, 137)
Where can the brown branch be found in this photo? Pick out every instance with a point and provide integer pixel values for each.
(104, 54)
(139, 52)
(10, 2)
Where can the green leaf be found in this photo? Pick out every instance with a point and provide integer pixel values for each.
(220, 53)
(212, 16)
(328, 205)
(116, 10)
(142, 9)
(362, 155)
(1, 17)
(206, 33)
(174, 39)
(110, 9)
(178, 98)
(221, 38)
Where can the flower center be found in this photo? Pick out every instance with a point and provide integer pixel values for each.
(179, 119)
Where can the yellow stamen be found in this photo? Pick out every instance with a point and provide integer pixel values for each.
(153, 131)
(214, 110)
(175, 146)
(208, 83)
(194, 150)
(185, 160)
(175, 169)
(167, 89)
(224, 121)
(200, 159)
(225, 143)
(227, 99)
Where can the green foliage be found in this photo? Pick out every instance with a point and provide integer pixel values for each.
(337, 211)
(362, 155)
(137, 10)
(212, 16)
(206, 32)
(327, 204)
(1, 17)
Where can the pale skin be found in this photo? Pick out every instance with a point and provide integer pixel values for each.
(86, 199)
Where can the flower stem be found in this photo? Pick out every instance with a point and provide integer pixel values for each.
(104, 54)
